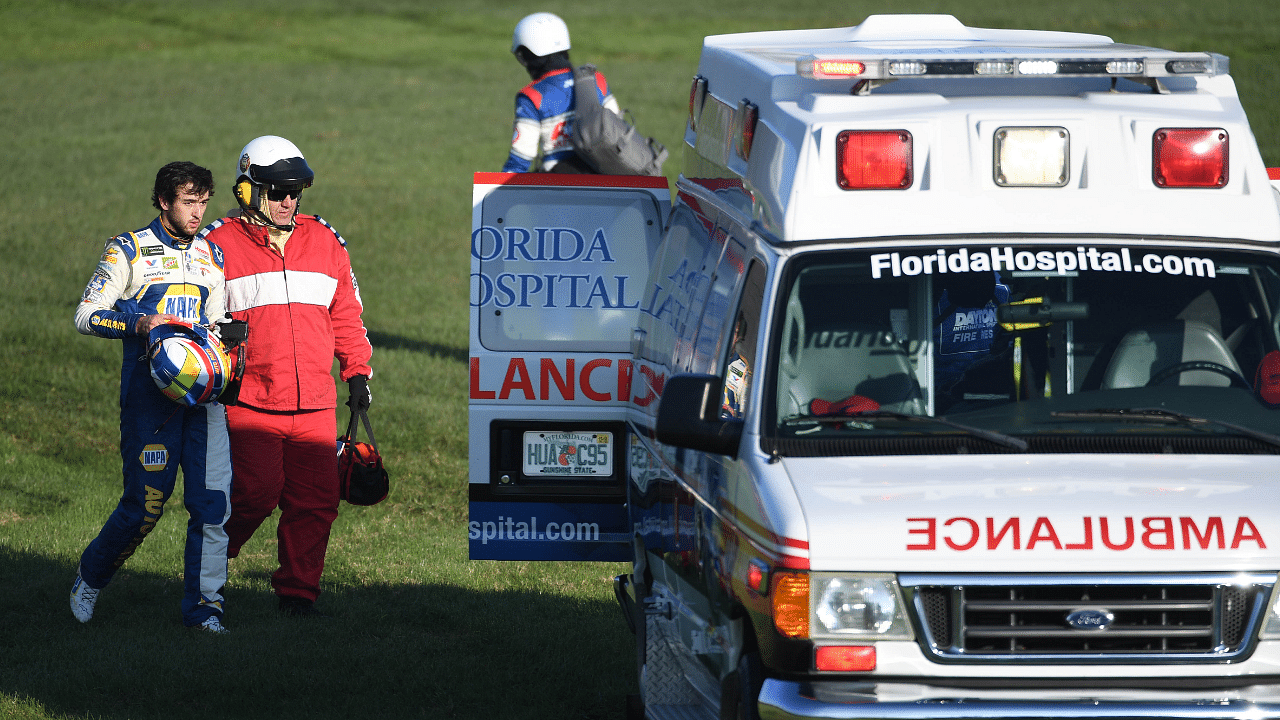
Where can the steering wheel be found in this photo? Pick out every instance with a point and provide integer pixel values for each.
(1237, 380)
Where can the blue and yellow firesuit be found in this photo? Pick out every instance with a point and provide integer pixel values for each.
(149, 272)
(544, 109)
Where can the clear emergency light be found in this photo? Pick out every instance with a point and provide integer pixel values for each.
(874, 160)
(1189, 157)
(1032, 156)
(1026, 62)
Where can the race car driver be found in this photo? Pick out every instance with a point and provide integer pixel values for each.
(145, 278)
(544, 107)
(290, 273)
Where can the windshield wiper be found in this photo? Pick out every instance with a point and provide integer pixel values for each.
(990, 435)
(1168, 417)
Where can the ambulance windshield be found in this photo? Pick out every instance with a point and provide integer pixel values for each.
(986, 348)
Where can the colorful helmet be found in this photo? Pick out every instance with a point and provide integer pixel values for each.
(541, 33)
(269, 163)
(188, 364)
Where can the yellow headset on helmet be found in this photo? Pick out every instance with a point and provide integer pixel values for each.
(268, 165)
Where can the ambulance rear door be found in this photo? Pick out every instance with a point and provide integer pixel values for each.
(558, 267)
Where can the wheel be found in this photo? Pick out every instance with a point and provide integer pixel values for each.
(741, 689)
(1237, 380)
(635, 708)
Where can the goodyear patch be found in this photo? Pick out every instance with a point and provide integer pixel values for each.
(154, 458)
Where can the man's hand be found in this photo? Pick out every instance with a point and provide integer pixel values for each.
(147, 323)
(360, 395)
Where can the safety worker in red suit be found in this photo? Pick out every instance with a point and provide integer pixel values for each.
(289, 277)
(545, 107)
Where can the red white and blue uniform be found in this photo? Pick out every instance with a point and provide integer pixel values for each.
(544, 110)
(303, 308)
(149, 272)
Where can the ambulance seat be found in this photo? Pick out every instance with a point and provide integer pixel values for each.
(1146, 350)
(851, 360)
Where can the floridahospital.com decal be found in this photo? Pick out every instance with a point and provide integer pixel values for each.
(512, 529)
(1060, 262)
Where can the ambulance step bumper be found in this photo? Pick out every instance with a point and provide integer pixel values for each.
(783, 700)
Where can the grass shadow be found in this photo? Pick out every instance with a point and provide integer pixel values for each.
(386, 651)
(387, 341)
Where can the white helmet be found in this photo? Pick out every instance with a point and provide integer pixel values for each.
(542, 33)
(269, 163)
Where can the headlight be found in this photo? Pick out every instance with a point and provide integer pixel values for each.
(866, 607)
(1271, 627)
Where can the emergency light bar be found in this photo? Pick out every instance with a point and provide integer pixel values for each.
(1154, 65)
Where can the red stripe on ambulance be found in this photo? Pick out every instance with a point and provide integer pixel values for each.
(1153, 533)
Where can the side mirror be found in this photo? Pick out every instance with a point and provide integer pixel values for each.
(689, 416)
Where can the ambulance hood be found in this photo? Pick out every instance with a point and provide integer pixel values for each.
(1020, 513)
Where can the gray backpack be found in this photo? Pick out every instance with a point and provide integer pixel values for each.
(605, 141)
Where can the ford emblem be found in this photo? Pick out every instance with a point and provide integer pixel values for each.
(1090, 619)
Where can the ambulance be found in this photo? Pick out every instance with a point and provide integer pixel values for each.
(941, 385)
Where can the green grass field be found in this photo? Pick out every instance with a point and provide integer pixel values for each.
(395, 104)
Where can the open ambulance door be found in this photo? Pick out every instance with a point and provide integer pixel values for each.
(558, 267)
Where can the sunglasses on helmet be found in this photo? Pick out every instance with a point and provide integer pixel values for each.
(279, 192)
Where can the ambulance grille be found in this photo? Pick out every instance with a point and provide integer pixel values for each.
(1091, 619)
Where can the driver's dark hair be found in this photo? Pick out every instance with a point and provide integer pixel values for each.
(175, 176)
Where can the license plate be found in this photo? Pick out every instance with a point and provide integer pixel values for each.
(568, 454)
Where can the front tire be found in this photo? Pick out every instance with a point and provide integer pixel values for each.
(740, 691)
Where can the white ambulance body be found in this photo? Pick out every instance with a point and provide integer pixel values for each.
(944, 389)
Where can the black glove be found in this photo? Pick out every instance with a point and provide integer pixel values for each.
(360, 396)
(232, 332)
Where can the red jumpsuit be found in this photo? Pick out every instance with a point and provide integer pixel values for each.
(303, 310)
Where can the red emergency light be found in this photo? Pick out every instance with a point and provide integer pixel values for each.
(836, 68)
(874, 160)
(1189, 157)
(845, 658)
(758, 577)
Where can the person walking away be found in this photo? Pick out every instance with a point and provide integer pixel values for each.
(544, 107)
(289, 276)
(158, 274)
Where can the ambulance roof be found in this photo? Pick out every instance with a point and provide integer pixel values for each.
(982, 117)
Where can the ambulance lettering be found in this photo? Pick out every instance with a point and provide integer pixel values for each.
(513, 529)
(563, 379)
(1153, 533)
(1061, 262)
(543, 246)
(667, 303)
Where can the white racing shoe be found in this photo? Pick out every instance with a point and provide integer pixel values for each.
(83, 598)
(213, 624)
